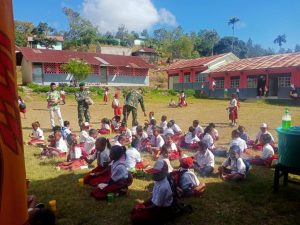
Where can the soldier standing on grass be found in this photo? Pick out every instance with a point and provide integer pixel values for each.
(83, 106)
(132, 99)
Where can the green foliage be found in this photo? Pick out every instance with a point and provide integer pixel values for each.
(20, 89)
(23, 30)
(280, 39)
(78, 68)
(172, 92)
(189, 92)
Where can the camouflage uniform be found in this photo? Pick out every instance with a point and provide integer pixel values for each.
(132, 100)
(83, 107)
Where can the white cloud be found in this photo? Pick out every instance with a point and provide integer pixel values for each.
(134, 14)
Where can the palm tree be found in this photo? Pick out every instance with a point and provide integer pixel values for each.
(232, 21)
(280, 39)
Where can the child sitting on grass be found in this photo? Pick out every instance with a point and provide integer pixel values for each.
(102, 172)
(37, 135)
(258, 141)
(189, 185)
(120, 177)
(243, 134)
(142, 137)
(74, 159)
(84, 133)
(116, 124)
(59, 149)
(163, 123)
(199, 130)
(190, 140)
(174, 152)
(150, 127)
(133, 157)
(105, 126)
(237, 167)
(236, 140)
(267, 154)
(156, 142)
(168, 130)
(89, 144)
(164, 156)
(66, 130)
(204, 160)
(158, 208)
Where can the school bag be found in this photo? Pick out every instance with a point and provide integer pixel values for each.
(22, 105)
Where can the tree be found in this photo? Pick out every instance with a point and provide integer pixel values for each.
(224, 46)
(22, 32)
(41, 35)
(232, 21)
(206, 41)
(280, 39)
(145, 34)
(297, 48)
(81, 31)
(122, 32)
(78, 68)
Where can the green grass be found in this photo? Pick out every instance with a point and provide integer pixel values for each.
(248, 202)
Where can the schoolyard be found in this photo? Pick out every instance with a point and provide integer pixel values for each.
(248, 202)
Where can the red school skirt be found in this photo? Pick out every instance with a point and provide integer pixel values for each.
(233, 114)
(117, 111)
(105, 98)
(95, 180)
(73, 165)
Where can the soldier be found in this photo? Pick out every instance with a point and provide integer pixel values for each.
(83, 106)
(132, 99)
(53, 98)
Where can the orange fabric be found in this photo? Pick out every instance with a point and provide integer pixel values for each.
(13, 196)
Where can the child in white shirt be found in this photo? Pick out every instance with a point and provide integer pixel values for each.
(177, 130)
(156, 142)
(236, 140)
(133, 157)
(199, 130)
(168, 130)
(190, 139)
(66, 130)
(89, 144)
(150, 127)
(116, 123)
(37, 135)
(60, 148)
(237, 167)
(174, 152)
(105, 126)
(267, 152)
(84, 133)
(258, 141)
(204, 160)
(163, 123)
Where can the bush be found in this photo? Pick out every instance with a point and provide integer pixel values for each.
(189, 92)
(172, 92)
(20, 89)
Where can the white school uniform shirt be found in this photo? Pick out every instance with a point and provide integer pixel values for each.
(176, 128)
(89, 144)
(143, 136)
(162, 195)
(188, 179)
(163, 125)
(116, 102)
(157, 141)
(233, 103)
(236, 165)
(167, 161)
(105, 126)
(62, 92)
(239, 142)
(150, 130)
(267, 152)
(133, 130)
(118, 170)
(167, 131)
(208, 139)
(172, 147)
(116, 124)
(83, 136)
(215, 133)
(132, 157)
(189, 139)
(38, 133)
(128, 134)
(103, 158)
(61, 145)
(206, 159)
(199, 130)
(76, 153)
(259, 134)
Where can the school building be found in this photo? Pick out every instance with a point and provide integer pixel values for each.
(273, 73)
(43, 66)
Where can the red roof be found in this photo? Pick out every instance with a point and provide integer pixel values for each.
(186, 63)
(63, 56)
(264, 62)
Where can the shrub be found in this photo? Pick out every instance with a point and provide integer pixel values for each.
(189, 92)
(172, 92)
(20, 89)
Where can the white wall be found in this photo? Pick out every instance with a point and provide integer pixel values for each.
(26, 68)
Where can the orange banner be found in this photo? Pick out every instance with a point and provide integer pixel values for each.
(13, 196)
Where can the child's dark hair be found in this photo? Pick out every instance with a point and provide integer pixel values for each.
(104, 141)
(71, 139)
(151, 113)
(139, 128)
(43, 216)
(153, 122)
(208, 129)
(191, 129)
(235, 133)
(163, 117)
(117, 118)
(172, 121)
(56, 129)
(105, 120)
(169, 124)
(156, 128)
(202, 144)
(135, 143)
(266, 138)
(66, 123)
(116, 152)
(164, 149)
(241, 128)
(37, 123)
(121, 137)
(196, 122)
(212, 125)
(92, 132)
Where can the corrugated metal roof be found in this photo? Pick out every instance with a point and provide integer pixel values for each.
(63, 56)
(264, 62)
(186, 63)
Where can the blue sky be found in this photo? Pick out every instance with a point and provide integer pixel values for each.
(261, 20)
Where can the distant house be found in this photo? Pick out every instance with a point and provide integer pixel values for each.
(193, 73)
(31, 43)
(139, 41)
(114, 50)
(148, 54)
(274, 73)
(43, 66)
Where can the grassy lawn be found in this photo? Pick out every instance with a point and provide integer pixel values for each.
(249, 202)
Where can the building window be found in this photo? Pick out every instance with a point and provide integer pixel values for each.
(200, 78)
(284, 82)
(187, 78)
(175, 79)
(219, 83)
(252, 81)
(49, 68)
(234, 82)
